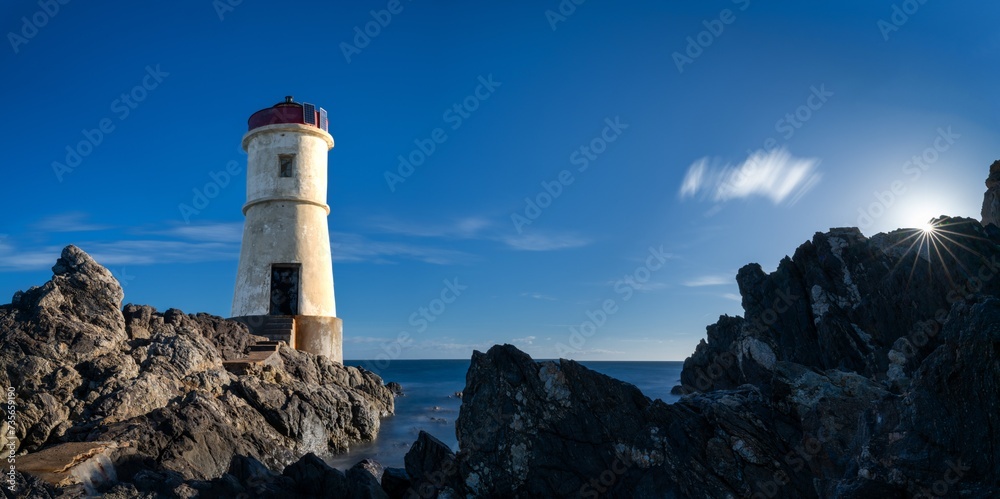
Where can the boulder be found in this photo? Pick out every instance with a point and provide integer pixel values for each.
(364, 481)
(395, 482)
(313, 477)
(430, 466)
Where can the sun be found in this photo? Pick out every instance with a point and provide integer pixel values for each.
(928, 227)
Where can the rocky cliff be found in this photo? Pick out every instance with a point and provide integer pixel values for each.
(149, 391)
(863, 367)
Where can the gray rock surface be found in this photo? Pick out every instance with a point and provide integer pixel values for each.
(86, 369)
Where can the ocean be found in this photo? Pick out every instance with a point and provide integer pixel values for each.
(430, 402)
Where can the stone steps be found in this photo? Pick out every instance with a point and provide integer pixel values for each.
(263, 352)
(276, 328)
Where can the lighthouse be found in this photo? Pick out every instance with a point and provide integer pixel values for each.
(284, 283)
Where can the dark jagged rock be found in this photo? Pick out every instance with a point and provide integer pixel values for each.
(395, 388)
(313, 477)
(991, 202)
(395, 482)
(364, 481)
(430, 466)
(84, 369)
(308, 477)
(28, 486)
(865, 367)
(843, 301)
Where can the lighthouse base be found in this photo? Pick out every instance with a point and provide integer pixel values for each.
(317, 335)
(320, 336)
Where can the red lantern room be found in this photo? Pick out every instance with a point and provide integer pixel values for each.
(290, 111)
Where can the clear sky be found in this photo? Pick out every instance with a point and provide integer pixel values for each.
(662, 146)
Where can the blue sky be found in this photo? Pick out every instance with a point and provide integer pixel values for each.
(662, 145)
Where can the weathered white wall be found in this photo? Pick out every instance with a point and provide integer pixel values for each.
(286, 220)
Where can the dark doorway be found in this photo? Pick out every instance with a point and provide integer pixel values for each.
(285, 289)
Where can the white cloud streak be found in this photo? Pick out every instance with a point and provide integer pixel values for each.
(181, 244)
(478, 228)
(775, 175)
(68, 222)
(538, 296)
(347, 247)
(709, 280)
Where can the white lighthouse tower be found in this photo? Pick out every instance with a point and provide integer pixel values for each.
(284, 286)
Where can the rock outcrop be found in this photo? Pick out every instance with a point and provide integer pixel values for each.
(865, 367)
(991, 202)
(153, 384)
(847, 302)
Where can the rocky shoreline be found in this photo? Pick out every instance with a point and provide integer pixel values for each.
(863, 367)
(150, 393)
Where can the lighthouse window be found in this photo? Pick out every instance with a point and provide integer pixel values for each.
(287, 164)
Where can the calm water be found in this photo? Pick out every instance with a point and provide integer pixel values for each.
(430, 403)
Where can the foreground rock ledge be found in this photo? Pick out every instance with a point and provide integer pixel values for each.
(152, 389)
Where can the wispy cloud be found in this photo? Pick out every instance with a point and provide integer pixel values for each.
(538, 296)
(463, 228)
(14, 259)
(709, 280)
(643, 287)
(365, 340)
(603, 351)
(68, 222)
(732, 296)
(542, 241)
(527, 340)
(108, 253)
(776, 175)
(649, 286)
(347, 247)
(479, 228)
(595, 351)
(224, 232)
(191, 244)
(451, 345)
